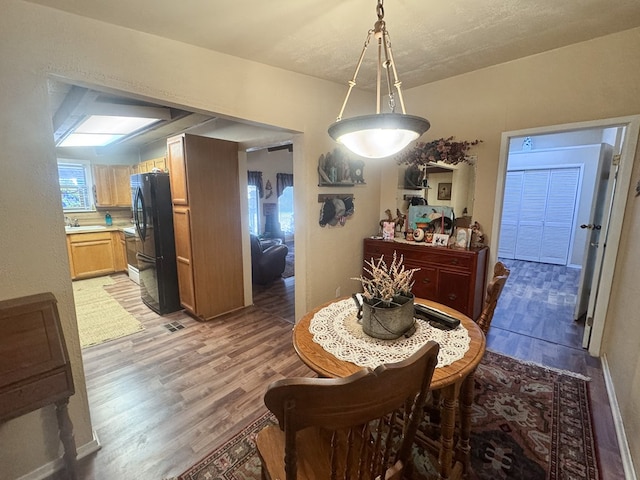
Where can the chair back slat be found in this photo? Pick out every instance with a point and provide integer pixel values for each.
(494, 289)
(363, 419)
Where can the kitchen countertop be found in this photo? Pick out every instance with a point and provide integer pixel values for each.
(95, 229)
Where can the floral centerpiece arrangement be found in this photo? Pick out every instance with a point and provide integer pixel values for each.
(387, 310)
(441, 150)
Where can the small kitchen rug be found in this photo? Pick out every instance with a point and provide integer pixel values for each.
(100, 317)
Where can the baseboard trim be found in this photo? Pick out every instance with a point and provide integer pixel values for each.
(52, 467)
(625, 452)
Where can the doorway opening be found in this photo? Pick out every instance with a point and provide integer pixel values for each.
(561, 253)
(271, 176)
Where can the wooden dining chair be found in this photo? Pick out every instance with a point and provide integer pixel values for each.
(494, 289)
(360, 427)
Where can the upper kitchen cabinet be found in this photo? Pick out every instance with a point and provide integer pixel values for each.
(205, 193)
(149, 165)
(177, 170)
(111, 185)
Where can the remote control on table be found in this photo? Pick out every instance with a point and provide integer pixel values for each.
(444, 320)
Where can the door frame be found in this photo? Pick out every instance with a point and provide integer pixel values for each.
(627, 156)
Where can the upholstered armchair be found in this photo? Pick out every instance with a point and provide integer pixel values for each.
(267, 264)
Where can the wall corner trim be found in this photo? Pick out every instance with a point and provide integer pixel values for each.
(53, 466)
(625, 452)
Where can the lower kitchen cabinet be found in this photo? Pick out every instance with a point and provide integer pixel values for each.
(96, 253)
(119, 251)
(453, 277)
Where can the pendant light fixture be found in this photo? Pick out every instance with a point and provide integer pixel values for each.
(378, 135)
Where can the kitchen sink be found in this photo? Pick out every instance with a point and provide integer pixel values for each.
(84, 228)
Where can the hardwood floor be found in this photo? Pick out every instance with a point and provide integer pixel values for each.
(161, 400)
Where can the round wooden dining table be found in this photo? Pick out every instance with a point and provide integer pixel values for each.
(453, 382)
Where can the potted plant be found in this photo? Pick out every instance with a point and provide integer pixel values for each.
(387, 305)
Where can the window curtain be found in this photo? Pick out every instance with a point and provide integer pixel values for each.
(255, 178)
(283, 180)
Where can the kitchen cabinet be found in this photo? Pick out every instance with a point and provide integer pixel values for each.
(453, 277)
(111, 185)
(90, 254)
(177, 171)
(205, 194)
(182, 233)
(119, 251)
(96, 253)
(149, 165)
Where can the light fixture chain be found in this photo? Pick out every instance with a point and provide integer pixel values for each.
(388, 64)
(380, 10)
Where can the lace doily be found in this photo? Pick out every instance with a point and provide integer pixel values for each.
(337, 330)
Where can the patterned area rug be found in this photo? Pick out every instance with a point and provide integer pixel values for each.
(528, 422)
(100, 317)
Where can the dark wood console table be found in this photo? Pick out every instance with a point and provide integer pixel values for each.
(34, 365)
(452, 276)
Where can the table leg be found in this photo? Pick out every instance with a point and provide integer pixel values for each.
(466, 402)
(66, 437)
(447, 426)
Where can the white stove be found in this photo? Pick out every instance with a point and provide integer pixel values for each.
(131, 241)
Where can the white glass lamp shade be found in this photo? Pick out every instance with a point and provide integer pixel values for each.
(379, 135)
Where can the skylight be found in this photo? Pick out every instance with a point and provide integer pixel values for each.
(100, 130)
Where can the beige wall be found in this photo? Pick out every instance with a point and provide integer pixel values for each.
(568, 85)
(622, 336)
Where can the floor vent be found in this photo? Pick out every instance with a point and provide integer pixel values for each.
(174, 326)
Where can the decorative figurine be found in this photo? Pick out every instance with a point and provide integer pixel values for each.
(477, 236)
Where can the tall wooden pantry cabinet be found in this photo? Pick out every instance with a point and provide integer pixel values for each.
(206, 219)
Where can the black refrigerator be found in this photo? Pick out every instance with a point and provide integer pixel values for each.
(156, 248)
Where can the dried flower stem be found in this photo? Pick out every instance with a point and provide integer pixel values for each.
(386, 281)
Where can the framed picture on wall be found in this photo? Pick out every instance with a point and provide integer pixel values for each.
(444, 191)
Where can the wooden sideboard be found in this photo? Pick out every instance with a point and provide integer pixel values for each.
(453, 277)
(34, 365)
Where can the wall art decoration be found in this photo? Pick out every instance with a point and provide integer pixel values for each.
(444, 191)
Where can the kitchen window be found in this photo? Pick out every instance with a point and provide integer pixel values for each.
(75, 185)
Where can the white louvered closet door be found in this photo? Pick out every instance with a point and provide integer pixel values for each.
(532, 213)
(510, 214)
(538, 213)
(558, 222)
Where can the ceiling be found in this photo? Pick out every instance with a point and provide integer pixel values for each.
(431, 39)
